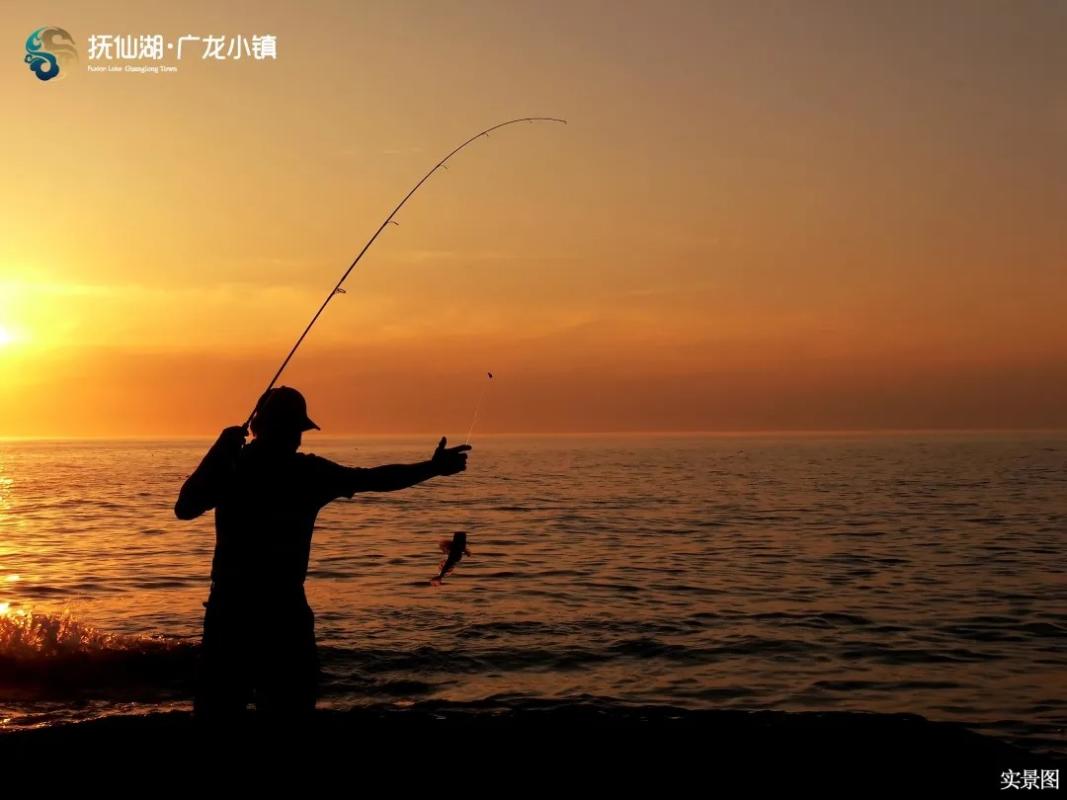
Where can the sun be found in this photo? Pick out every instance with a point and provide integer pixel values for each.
(6, 336)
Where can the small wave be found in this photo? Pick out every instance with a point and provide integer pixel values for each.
(174, 583)
(25, 635)
(885, 686)
(41, 590)
(916, 655)
(369, 687)
(48, 656)
(1045, 630)
(826, 619)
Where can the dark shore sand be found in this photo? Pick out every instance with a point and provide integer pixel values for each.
(587, 744)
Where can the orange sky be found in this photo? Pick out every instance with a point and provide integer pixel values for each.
(820, 215)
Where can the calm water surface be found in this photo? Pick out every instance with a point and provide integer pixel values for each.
(921, 574)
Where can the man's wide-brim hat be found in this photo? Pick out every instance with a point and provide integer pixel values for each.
(283, 408)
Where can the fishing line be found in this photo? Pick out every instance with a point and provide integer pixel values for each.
(336, 290)
(478, 407)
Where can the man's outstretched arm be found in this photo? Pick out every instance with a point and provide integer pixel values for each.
(201, 489)
(391, 477)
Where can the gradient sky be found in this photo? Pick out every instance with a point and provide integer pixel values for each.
(762, 216)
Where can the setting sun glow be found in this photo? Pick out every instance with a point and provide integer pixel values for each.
(741, 228)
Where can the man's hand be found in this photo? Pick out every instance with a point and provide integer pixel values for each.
(449, 460)
(201, 489)
(232, 439)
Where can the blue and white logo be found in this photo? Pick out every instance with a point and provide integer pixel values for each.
(50, 51)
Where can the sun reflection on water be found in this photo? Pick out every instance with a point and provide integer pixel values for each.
(5, 486)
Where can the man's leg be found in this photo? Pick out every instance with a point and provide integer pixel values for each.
(288, 674)
(223, 688)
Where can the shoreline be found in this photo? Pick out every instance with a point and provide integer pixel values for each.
(645, 743)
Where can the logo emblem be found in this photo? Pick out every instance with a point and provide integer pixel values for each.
(50, 50)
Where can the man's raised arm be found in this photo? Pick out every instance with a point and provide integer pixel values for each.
(389, 478)
(201, 489)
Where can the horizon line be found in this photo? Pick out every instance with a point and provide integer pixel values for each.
(735, 433)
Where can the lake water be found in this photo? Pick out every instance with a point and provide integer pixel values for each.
(904, 573)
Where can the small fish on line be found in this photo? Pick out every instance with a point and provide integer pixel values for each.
(454, 550)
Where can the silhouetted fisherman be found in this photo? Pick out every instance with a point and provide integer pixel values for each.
(259, 632)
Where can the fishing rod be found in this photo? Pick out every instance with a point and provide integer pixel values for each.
(337, 288)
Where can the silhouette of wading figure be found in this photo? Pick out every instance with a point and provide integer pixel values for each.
(259, 632)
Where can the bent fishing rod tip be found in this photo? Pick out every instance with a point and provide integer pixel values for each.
(338, 290)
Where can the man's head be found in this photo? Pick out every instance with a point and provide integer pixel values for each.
(281, 417)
